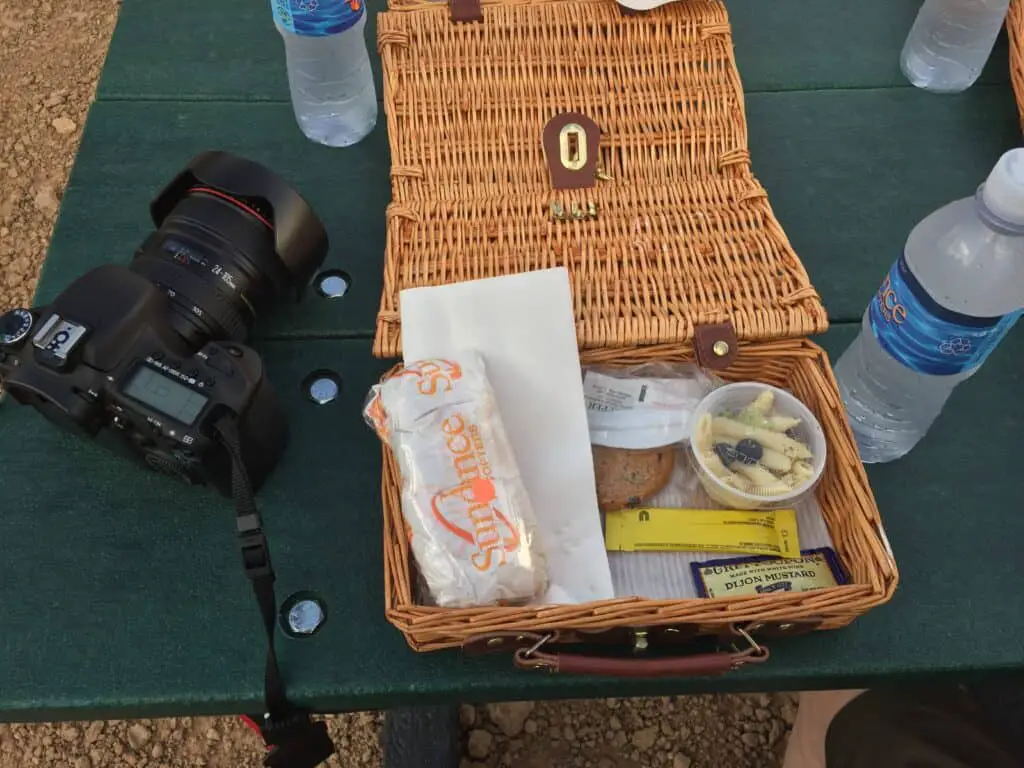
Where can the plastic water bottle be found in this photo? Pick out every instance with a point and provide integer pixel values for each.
(950, 298)
(329, 72)
(950, 42)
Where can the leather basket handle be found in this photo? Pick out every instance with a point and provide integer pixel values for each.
(680, 666)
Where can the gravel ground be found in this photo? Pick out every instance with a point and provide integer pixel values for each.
(673, 732)
(51, 54)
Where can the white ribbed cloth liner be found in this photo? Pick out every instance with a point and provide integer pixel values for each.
(667, 575)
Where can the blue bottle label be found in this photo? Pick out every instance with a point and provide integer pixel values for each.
(317, 18)
(925, 336)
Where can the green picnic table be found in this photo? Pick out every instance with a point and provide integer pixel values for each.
(121, 592)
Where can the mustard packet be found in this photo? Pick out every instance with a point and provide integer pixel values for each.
(772, 532)
(746, 576)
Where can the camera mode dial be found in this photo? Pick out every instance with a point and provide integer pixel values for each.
(15, 326)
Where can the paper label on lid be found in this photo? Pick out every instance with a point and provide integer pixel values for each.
(639, 413)
(606, 393)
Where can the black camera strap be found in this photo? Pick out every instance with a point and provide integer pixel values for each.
(294, 738)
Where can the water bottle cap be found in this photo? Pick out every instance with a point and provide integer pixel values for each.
(1003, 193)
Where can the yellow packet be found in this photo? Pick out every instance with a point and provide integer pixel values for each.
(772, 532)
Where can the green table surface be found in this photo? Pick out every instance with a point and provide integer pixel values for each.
(122, 592)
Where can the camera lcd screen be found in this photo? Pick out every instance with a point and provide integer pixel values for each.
(165, 395)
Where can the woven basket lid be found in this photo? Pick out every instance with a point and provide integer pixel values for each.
(675, 233)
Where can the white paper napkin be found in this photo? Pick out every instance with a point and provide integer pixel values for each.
(523, 327)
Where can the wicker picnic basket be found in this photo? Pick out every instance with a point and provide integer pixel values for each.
(672, 251)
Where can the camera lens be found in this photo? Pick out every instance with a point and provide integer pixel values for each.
(232, 240)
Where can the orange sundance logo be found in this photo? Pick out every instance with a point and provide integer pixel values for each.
(469, 510)
(434, 375)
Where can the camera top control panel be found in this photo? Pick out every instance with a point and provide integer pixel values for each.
(169, 392)
(178, 391)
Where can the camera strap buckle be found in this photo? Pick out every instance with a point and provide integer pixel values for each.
(255, 550)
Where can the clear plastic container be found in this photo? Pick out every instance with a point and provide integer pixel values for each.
(752, 457)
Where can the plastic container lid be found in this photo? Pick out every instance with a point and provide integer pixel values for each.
(642, 410)
(1003, 193)
(639, 430)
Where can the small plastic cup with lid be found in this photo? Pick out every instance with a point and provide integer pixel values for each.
(756, 446)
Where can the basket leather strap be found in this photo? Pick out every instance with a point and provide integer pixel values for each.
(679, 666)
(465, 11)
(715, 345)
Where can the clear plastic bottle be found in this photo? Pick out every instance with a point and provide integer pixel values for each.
(950, 42)
(329, 71)
(955, 292)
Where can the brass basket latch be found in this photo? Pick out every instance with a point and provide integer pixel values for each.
(571, 141)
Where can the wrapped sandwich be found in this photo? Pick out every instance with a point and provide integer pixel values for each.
(469, 518)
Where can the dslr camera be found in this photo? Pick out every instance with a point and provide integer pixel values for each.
(148, 357)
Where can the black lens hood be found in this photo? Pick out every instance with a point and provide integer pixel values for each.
(299, 236)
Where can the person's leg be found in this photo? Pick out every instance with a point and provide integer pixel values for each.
(806, 748)
(927, 728)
